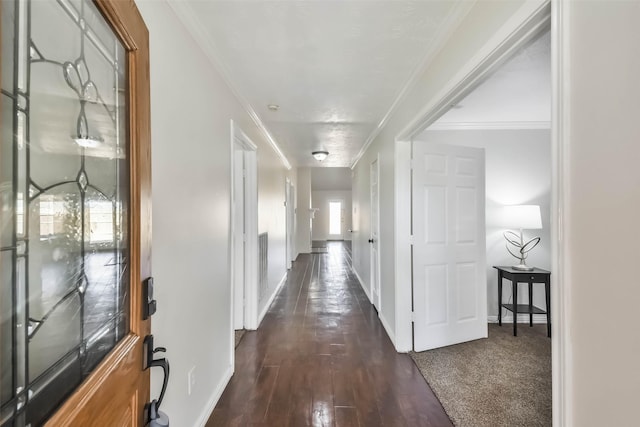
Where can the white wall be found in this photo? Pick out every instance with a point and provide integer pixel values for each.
(477, 29)
(191, 108)
(303, 217)
(518, 171)
(320, 224)
(330, 178)
(602, 231)
(272, 219)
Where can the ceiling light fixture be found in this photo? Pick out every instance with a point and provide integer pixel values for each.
(320, 155)
(273, 107)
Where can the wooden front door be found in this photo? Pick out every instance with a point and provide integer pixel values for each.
(75, 213)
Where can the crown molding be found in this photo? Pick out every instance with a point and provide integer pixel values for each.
(523, 125)
(450, 25)
(189, 19)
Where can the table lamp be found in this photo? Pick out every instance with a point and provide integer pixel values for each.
(521, 217)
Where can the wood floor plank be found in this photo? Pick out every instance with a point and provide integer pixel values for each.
(322, 358)
(261, 394)
(346, 416)
(322, 413)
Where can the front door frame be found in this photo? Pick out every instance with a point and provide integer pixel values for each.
(516, 31)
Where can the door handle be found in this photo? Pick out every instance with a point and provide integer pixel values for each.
(155, 416)
(370, 240)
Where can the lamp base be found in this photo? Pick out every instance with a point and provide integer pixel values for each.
(522, 267)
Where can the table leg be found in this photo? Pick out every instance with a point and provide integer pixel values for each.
(547, 293)
(499, 298)
(514, 285)
(530, 304)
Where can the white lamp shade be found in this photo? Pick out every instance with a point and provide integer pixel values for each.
(525, 217)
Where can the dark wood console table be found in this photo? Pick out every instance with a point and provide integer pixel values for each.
(536, 275)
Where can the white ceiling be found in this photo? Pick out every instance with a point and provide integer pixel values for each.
(516, 96)
(335, 68)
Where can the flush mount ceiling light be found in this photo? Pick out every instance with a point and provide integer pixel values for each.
(320, 155)
(273, 107)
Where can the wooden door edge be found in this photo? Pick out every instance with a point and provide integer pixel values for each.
(66, 414)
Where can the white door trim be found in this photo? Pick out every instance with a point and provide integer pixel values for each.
(520, 28)
(239, 140)
(403, 253)
(561, 310)
(238, 236)
(377, 303)
(289, 221)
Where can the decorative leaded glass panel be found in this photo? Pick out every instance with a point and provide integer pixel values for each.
(64, 194)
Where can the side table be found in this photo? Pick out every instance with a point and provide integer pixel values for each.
(536, 275)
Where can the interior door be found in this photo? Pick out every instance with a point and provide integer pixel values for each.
(449, 272)
(375, 232)
(75, 213)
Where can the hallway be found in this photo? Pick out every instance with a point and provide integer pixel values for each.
(321, 357)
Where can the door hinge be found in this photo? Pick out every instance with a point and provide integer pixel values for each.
(413, 317)
(411, 239)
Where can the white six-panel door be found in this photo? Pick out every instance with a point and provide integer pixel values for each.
(449, 253)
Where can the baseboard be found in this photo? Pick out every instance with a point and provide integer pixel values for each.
(271, 298)
(211, 404)
(388, 329)
(366, 291)
(522, 318)
(384, 322)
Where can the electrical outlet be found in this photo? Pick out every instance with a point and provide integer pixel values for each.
(191, 380)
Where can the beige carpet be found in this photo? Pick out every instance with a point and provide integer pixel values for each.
(499, 381)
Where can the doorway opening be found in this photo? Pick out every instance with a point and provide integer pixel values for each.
(335, 220)
(331, 202)
(511, 144)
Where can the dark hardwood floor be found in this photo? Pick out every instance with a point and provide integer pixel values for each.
(322, 358)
